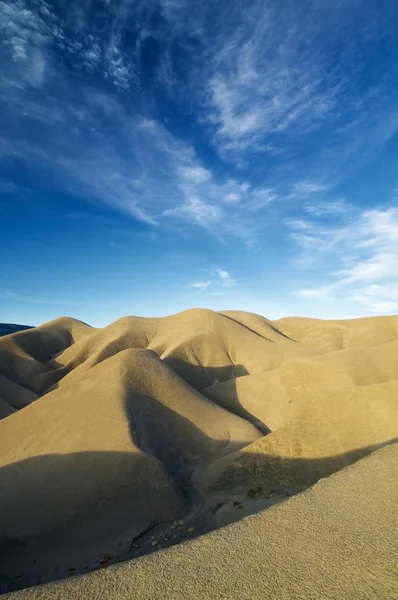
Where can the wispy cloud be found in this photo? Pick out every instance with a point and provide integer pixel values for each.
(379, 298)
(273, 76)
(322, 292)
(220, 277)
(32, 30)
(276, 85)
(225, 278)
(201, 285)
(361, 257)
(327, 208)
(307, 187)
(196, 211)
(194, 174)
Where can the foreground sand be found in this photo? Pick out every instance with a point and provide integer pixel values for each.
(120, 441)
(334, 541)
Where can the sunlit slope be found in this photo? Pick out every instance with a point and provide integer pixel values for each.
(335, 335)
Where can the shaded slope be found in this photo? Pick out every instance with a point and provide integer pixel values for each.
(24, 355)
(7, 328)
(13, 396)
(335, 541)
(122, 437)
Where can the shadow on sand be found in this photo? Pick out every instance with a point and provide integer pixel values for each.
(65, 514)
(52, 527)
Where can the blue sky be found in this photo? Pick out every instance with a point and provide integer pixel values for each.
(161, 155)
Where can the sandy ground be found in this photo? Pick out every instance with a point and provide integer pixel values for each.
(335, 541)
(120, 441)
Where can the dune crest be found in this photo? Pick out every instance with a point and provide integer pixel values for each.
(118, 441)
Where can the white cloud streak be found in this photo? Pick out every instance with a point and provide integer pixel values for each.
(330, 208)
(201, 285)
(221, 277)
(361, 257)
(225, 278)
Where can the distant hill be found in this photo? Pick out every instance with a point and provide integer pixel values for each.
(6, 328)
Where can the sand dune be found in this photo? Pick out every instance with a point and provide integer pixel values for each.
(336, 541)
(118, 441)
